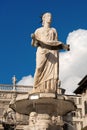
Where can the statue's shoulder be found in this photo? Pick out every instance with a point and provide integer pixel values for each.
(38, 29)
(53, 29)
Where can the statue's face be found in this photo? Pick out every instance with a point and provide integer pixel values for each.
(47, 18)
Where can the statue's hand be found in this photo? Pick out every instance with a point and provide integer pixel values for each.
(66, 47)
(34, 40)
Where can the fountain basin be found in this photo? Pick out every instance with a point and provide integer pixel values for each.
(49, 105)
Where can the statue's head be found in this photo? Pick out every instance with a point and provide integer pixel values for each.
(46, 18)
(33, 114)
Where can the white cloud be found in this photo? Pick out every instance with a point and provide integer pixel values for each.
(73, 63)
(26, 80)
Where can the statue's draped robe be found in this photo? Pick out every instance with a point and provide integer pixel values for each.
(47, 64)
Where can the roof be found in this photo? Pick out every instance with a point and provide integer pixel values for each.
(82, 86)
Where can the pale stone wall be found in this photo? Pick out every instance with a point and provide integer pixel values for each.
(84, 110)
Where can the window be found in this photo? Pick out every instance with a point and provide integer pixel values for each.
(73, 114)
(1, 111)
(79, 113)
(85, 104)
(80, 100)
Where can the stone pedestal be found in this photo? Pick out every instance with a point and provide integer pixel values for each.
(39, 121)
(44, 122)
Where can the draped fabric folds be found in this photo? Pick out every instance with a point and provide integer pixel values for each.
(47, 64)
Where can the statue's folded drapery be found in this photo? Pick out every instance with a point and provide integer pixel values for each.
(47, 64)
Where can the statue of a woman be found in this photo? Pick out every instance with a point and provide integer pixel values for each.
(47, 57)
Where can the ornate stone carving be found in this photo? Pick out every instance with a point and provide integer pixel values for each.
(9, 119)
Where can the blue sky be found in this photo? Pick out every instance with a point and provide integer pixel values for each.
(20, 18)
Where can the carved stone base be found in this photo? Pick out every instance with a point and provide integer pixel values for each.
(43, 122)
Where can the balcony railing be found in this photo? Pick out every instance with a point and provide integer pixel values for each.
(6, 87)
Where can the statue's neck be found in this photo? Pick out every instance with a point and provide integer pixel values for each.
(46, 25)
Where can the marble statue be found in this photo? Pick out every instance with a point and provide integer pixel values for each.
(9, 119)
(45, 39)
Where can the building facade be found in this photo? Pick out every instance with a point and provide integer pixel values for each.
(82, 106)
(78, 118)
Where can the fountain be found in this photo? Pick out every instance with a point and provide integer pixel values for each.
(45, 104)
